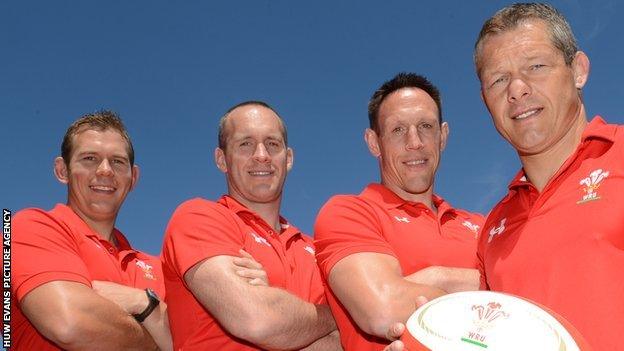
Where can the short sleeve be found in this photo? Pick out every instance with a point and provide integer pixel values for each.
(199, 229)
(44, 250)
(347, 225)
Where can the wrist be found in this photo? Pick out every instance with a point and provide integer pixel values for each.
(150, 302)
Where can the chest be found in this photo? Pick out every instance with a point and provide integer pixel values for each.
(420, 239)
(287, 260)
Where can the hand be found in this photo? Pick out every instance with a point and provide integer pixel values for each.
(248, 267)
(131, 300)
(397, 329)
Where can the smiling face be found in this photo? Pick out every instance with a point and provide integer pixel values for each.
(98, 174)
(409, 144)
(532, 95)
(255, 159)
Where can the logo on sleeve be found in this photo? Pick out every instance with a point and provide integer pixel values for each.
(591, 184)
(260, 239)
(310, 249)
(148, 272)
(472, 227)
(401, 219)
(497, 230)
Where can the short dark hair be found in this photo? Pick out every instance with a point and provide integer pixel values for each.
(221, 134)
(400, 81)
(100, 120)
(508, 18)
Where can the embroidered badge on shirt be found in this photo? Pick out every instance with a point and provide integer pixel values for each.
(260, 239)
(497, 230)
(473, 227)
(591, 185)
(148, 273)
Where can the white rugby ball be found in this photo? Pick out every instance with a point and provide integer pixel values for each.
(486, 320)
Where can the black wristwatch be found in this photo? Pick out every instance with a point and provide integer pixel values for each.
(154, 301)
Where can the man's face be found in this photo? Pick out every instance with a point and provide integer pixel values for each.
(530, 92)
(410, 142)
(256, 158)
(98, 174)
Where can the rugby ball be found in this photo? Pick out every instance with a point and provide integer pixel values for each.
(486, 320)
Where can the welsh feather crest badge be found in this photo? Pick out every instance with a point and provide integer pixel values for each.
(591, 184)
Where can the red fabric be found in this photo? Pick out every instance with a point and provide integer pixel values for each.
(564, 247)
(59, 245)
(378, 220)
(201, 229)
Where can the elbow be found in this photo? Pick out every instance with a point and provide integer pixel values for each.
(257, 328)
(66, 333)
(376, 321)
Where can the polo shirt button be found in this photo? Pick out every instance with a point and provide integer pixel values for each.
(111, 250)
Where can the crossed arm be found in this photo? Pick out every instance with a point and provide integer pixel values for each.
(268, 317)
(373, 289)
(75, 317)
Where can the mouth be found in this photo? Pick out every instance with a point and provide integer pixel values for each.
(526, 114)
(260, 173)
(415, 162)
(103, 189)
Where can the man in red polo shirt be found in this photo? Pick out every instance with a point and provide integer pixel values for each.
(557, 238)
(238, 275)
(382, 249)
(76, 280)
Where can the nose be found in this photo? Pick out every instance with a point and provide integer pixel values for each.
(104, 168)
(518, 89)
(414, 142)
(260, 153)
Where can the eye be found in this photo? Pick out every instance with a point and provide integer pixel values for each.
(499, 80)
(245, 143)
(398, 130)
(119, 161)
(537, 66)
(89, 158)
(425, 125)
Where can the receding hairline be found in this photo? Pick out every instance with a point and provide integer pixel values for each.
(223, 122)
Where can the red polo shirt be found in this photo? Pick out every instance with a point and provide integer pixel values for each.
(379, 221)
(59, 245)
(564, 247)
(200, 229)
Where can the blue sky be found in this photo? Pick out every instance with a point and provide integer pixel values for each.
(171, 69)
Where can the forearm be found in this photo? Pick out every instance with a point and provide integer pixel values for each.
(72, 316)
(157, 324)
(330, 342)
(291, 323)
(449, 279)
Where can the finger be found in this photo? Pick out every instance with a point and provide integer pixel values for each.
(247, 263)
(245, 254)
(421, 300)
(258, 282)
(395, 331)
(395, 346)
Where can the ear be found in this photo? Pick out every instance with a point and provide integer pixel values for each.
(220, 160)
(60, 170)
(135, 176)
(444, 132)
(290, 159)
(372, 140)
(580, 66)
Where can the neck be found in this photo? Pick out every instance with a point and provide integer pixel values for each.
(103, 228)
(540, 168)
(268, 211)
(425, 198)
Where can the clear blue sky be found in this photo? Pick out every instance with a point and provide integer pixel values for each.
(172, 68)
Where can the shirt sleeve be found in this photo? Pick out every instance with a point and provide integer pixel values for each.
(347, 225)
(200, 229)
(44, 250)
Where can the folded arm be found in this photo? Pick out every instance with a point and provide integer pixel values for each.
(449, 279)
(75, 317)
(268, 317)
(372, 288)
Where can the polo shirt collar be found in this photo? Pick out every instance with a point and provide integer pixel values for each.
(597, 128)
(73, 219)
(389, 200)
(232, 204)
